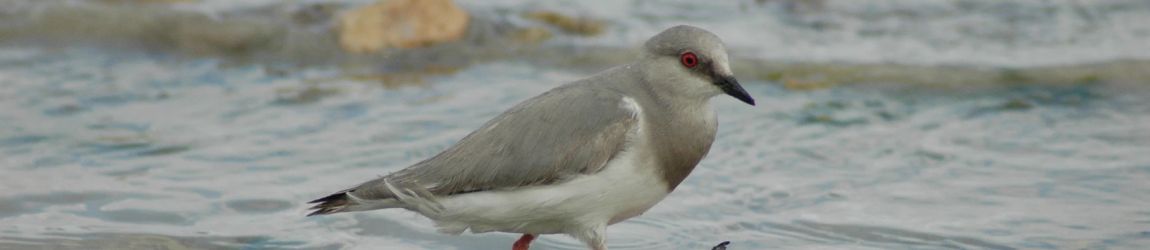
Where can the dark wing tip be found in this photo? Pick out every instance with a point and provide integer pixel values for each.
(721, 246)
(319, 212)
(331, 198)
(329, 204)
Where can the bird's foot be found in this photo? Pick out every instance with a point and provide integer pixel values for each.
(523, 243)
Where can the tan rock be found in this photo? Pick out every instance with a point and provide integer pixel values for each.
(532, 35)
(145, 1)
(572, 25)
(401, 24)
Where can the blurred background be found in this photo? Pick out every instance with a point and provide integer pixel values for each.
(897, 124)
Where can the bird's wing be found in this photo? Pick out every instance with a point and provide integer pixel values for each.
(562, 133)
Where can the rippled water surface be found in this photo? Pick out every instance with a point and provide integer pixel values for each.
(130, 150)
(125, 149)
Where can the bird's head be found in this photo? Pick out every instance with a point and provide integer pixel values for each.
(692, 61)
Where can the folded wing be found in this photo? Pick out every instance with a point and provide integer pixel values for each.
(550, 138)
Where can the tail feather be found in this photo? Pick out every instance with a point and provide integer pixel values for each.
(334, 203)
(346, 201)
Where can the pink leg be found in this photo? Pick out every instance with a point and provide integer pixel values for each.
(523, 243)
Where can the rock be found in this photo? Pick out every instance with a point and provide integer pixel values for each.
(1016, 104)
(313, 14)
(305, 95)
(230, 38)
(401, 24)
(145, 1)
(571, 25)
(532, 35)
(394, 80)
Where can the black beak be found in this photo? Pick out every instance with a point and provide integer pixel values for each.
(731, 86)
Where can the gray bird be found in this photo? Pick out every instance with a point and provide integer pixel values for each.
(574, 159)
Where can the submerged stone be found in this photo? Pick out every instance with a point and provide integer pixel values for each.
(532, 35)
(401, 24)
(303, 95)
(147, 1)
(572, 25)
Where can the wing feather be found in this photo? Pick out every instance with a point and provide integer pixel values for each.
(565, 132)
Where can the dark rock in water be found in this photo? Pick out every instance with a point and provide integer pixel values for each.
(721, 246)
(313, 14)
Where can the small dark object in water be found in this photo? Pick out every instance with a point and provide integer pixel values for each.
(721, 246)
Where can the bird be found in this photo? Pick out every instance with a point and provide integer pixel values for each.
(574, 159)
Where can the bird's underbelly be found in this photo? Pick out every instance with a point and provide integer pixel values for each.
(628, 186)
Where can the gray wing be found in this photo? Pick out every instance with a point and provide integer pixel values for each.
(565, 132)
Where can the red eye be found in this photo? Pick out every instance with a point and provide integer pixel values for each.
(688, 59)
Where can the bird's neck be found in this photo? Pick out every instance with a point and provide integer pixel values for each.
(682, 127)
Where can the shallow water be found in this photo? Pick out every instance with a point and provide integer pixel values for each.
(123, 149)
(136, 150)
